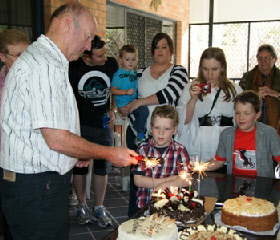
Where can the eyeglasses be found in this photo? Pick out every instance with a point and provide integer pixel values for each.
(264, 59)
(14, 55)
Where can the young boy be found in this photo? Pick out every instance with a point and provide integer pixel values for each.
(250, 147)
(164, 125)
(124, 87)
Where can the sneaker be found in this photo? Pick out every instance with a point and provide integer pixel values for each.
(83, 214)
(100, 215)
(73, 200)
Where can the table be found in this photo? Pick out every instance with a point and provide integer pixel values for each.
(224, 186)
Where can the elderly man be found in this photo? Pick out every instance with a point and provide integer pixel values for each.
(265, 79)
(12, 43)
(40, 129)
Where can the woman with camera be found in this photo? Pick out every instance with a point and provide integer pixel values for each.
(206, 106)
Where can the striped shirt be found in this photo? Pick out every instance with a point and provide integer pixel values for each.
(37, 94)
(175, 158)
(168, 88)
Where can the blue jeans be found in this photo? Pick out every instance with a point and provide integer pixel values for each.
(141, 114)
(36, 205)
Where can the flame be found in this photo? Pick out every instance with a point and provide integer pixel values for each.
(151, 162)
(183, 175)
(199, 167)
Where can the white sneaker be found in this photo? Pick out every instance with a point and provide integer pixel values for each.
(100, 215)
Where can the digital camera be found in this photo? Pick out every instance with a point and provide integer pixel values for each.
(205, 88)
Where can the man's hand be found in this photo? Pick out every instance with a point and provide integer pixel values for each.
(83, 162)
(122, 157)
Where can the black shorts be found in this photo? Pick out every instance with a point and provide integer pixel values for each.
(102, 137)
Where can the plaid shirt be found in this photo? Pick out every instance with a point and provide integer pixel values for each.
(175, 158)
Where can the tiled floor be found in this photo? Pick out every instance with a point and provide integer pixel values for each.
(116, 202)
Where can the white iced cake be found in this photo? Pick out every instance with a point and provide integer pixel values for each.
(153, 227)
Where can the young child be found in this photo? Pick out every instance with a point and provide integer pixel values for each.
(124, 87)
(164, 125)
(250, 147)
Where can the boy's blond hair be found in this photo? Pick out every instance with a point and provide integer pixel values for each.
(128, 49)
(165, 111)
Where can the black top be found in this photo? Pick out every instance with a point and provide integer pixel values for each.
(91, 86)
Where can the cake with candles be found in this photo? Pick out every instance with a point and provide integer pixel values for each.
(252, 213)
(183, 206)
(153, 227)
(209, 232)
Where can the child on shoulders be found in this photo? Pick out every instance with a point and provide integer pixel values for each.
(124, 88)
(251, 147)
(164, 125)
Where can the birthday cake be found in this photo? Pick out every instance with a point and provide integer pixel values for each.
(185, 206)
(153, 227)
(209, 232)
(252, 213)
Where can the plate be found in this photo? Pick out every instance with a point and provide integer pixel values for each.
(180, 224)
(218, 220)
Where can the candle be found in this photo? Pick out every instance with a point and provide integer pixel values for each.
(159, 192)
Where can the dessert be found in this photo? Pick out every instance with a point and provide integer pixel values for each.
(184, 206)
(153, 227)
(209, 232)
(252, 213)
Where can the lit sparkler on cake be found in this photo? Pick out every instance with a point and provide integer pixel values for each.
(199, 168)
(185, 176)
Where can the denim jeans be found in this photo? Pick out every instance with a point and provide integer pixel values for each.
(141, 114)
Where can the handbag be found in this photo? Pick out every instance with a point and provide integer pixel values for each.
(203, 119)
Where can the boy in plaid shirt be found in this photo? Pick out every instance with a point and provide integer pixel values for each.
(164, 124)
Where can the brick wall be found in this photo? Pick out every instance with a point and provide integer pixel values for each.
(177, 10)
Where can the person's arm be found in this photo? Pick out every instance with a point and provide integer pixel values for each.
(117, 91)
(148, 182)
(214, 164)
(74, 146)
(176, 182)
(194, 91)
(170, 94)
(147, 101)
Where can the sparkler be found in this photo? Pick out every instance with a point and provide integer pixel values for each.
(151, 163)
(199, 168)
(183, 175)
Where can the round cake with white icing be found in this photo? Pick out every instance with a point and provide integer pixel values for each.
(153, 227)
(184, 206)
(209, 232)
(252, 213)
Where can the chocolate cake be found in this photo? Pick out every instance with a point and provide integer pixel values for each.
(184, 206)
